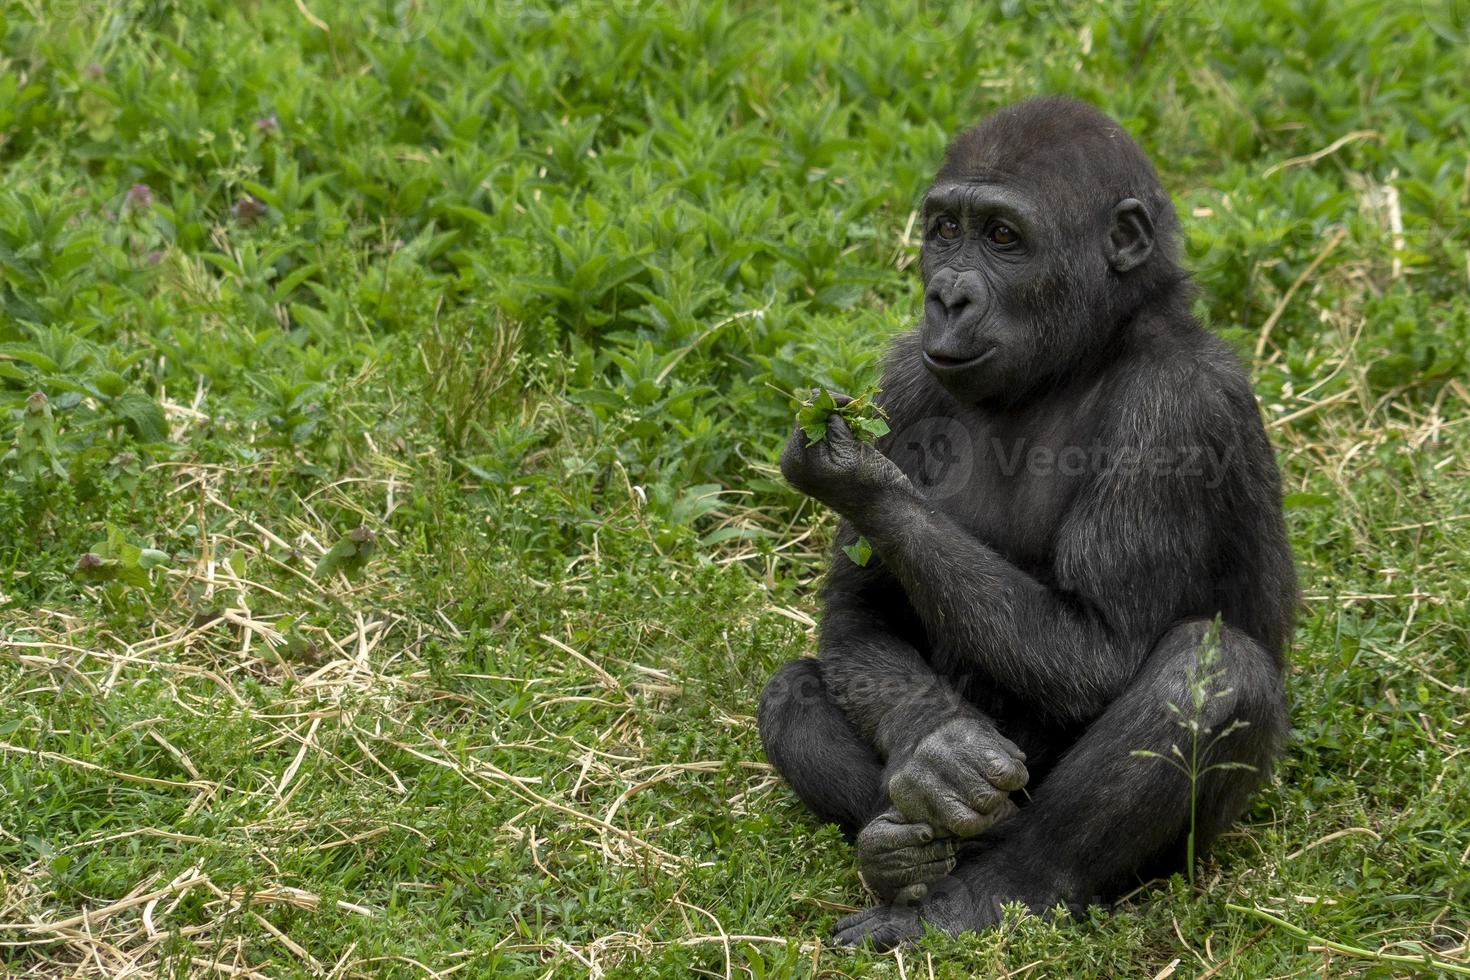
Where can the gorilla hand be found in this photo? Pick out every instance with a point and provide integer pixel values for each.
(898, 859)
(840, 471)
(957, 778)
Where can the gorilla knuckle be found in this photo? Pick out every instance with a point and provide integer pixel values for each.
(984, 798)
(1006, 773)
(907, 791)
(961, 819)
(925, 754)
(970, 826)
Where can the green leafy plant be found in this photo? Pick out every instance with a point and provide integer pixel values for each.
(349, 555)
(117, 560)
(865, 419)
(1201, 740)
(35, 449)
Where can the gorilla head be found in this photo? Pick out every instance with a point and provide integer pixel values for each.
(1044, 232)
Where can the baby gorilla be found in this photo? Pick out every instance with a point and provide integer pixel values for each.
(1077, 550)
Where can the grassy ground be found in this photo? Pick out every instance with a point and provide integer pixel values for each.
(390, 568)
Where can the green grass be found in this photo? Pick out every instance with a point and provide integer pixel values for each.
(520, 300)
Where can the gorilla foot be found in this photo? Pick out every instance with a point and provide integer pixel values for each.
(882, 926)
(969, 900)
(949, 904)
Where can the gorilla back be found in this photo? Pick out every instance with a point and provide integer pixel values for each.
(1078, 549)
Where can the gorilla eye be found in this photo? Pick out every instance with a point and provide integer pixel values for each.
(1003, 235)
(949, 229)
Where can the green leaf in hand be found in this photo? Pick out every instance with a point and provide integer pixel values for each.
(813, 414)
(863, 417)
(871, 426)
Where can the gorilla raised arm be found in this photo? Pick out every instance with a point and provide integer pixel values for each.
(1076, 486)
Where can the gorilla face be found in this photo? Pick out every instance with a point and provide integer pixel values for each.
(1029, 259)
(982, 259)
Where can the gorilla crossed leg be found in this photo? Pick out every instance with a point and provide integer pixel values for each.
(1038, 617)
(1099, 815)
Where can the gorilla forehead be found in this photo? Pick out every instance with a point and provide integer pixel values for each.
(1055, 146)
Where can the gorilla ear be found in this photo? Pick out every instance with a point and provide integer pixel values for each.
(1131, 238)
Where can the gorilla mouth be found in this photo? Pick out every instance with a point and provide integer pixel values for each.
(950, 364)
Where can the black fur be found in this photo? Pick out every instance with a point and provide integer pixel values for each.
(1076, 483)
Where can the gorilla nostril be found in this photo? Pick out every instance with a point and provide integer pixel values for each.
(950, 302)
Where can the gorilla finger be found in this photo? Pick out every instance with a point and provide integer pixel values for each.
(910, 794)
(973, 824)
(883, 884)
(911, 857)
(935, 870)
(928, 799)
(894, 932)
(1005, 811)
(1005, 772)
(984, 799)
(960, 819)
(992, 754)
(892, 832)
(837, 426)
(1008, 747)
(972, 776)
(922, 873)
(794, 455)
(939, 850)
(985, 759)
(931, 874)
(853, 936)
